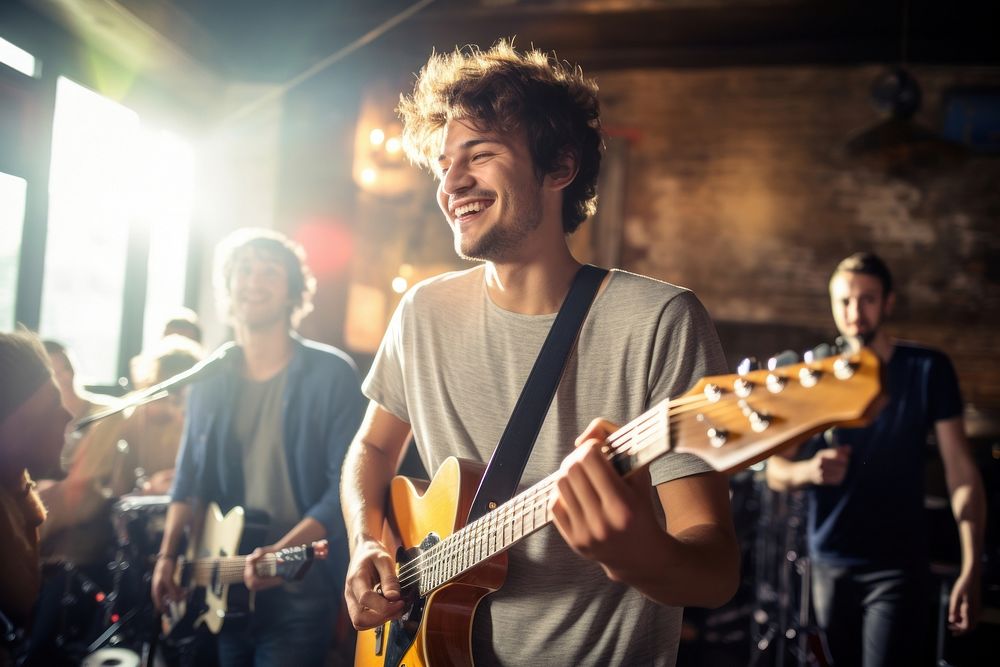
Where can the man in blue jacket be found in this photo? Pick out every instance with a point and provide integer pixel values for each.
(269, 433)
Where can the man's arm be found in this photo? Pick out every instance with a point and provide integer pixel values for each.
(323, 518)
(306, 531)
(347, 408)
(826, 468)
(693, 560)
(164, 588)
(369, 467)
(968, 504)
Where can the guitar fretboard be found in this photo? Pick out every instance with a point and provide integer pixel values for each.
(629, 448)
(226, 570)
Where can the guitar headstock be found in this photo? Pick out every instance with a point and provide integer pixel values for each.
(733, 421)
(292, 563)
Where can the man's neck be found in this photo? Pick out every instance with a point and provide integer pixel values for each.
(534, 287)
(266, 352)
(882, 344)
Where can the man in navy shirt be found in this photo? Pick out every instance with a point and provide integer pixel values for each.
(269, 434)
(866, 528)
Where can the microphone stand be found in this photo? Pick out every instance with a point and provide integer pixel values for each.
(202, 369)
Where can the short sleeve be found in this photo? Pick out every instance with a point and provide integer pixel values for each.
(944, 394)
(687, 349)
(384, 383)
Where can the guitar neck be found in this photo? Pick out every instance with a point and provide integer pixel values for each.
(729, 422)
(289, 563)
(630, 448)
(226, 570)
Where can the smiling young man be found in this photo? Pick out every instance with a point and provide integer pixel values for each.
(867, 535)
(514, 140)
(269, 433)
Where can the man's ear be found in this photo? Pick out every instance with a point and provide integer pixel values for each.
(565, 171)
(890, 303)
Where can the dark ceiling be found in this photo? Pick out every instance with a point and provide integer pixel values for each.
(269, 41)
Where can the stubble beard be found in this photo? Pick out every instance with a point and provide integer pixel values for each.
(866, 338)
(504, 239)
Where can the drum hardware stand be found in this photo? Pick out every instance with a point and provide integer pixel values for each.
(87, 587)
(136, 623)
(782, 574)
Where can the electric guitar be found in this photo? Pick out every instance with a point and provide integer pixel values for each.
(211, 568)
(446, 567)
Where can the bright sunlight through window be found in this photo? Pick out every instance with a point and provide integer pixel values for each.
(12, 191)
(166, 194)
(108, 176)
(17, 58)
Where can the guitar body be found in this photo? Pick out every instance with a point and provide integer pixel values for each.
(218, 601)
(220, 536)
(436, 630)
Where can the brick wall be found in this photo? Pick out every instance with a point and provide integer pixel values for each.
(738, 187)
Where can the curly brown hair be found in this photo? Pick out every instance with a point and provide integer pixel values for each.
(503, 90)
(274, 244)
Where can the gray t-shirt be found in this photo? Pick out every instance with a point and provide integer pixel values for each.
(453, 363)
(257, 426)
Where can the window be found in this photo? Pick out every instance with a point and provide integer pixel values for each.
(91, 180)
(111, 180)
(17, 58)
(166, 209)
(12, 193)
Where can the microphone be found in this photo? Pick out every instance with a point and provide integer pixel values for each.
(224, 356)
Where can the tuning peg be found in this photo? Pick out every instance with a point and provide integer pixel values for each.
(747, 365)
(786, 358)
(821, 351)
(742, 386)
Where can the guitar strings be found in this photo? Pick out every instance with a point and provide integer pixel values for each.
(534, 498)
(527, 504)
(494, 524)
(203, 569)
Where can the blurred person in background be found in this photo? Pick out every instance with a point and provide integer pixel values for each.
(132, 451)
(32, 423)
(184, 322)
(269, 434)
(866, 525)
(80, 402)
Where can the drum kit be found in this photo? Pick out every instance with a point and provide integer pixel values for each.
(108, 618)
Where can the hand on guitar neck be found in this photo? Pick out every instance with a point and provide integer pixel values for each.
(600, 514)
(264, 568)
(253, 577)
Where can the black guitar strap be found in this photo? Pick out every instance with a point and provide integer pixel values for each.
(511, 454)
